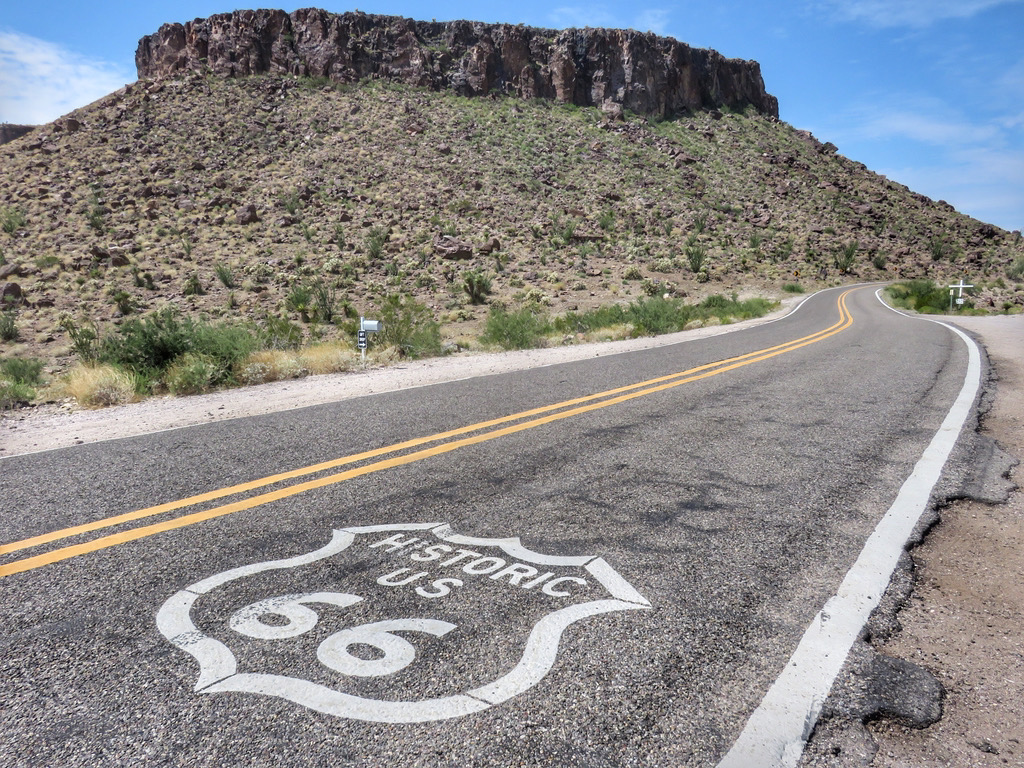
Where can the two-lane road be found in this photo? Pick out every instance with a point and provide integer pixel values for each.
(607, 562)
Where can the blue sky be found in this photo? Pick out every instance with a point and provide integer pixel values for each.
(928, 92)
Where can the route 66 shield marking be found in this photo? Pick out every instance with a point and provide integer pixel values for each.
(402, 618)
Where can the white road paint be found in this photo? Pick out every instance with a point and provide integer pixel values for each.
(219, 667)
(777, 731)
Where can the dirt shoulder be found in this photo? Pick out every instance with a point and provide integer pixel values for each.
(964, 619)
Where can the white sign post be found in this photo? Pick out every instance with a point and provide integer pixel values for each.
(960, 293)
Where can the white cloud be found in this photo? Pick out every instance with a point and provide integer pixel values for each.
(933, 129)
(973, 162)
(40, 81)
(910, 13)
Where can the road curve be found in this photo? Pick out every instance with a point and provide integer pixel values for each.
(607, 562)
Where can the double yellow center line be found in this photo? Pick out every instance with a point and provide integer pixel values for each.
(398, 455)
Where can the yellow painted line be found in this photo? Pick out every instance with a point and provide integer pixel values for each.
(667, 382)
(220, 493)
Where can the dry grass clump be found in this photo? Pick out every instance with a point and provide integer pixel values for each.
(279, 364)
(97, 386)
(611, 333)
(332, 357)
(269, 365)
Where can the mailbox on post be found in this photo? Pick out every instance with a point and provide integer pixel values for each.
(365, 327)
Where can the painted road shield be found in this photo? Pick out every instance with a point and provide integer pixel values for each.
(391, 623)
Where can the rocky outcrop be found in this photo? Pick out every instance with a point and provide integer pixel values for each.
(644, 73)
(10, 132)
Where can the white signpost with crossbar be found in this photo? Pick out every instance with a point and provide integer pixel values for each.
(960, 293)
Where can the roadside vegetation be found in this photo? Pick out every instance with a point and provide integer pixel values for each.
(931, 298)
(530, 326)
(19, 380)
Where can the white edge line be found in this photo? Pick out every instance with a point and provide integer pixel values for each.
(777, 731)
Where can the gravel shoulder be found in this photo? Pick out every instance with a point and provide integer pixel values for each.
(963, 620)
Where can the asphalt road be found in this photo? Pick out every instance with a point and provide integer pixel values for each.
(676, 540)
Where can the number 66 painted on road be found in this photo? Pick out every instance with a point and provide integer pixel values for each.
(333, 652)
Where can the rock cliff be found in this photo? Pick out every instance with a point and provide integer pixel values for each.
(10, 131)
(644, 73)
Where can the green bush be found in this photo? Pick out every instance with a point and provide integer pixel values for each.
(409, 327)
(1016, 270)
(523, 329)
(19, 378)
(280, 333)
(225, 275)
(793, 288)
(696, 257)
(9, 322)
(919, 295)
(11, 220)
(13, 394)
(149, 346)
(656, 315)
(192, 373)
(476, 285)
(846, 256)
(22, 370)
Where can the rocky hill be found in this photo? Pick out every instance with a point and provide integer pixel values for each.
(222, 195)
(587, 67)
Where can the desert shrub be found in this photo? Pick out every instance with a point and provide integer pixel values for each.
(191, 374)
(300, 299)
(95, 386)
(225, 275)
(268, 365)
(939, 248)
(11, 220)
(656, 315)
(193, 286)
(409, 327)
(846, 256)
(22, 370)
(9, 322)
(148, 346)
(375, 240)
(331, 357)
(521, 329)
(878, 260)
(1016, 270)
(632, 272)
(13, 394)
(920, 295)
(476, 285)
(125, 301)
(83, 338)
(280, 333)
(793, 288)
(325, 299)
(696, 257)
(19, 377)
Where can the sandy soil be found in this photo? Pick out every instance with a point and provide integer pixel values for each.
(962, 623)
